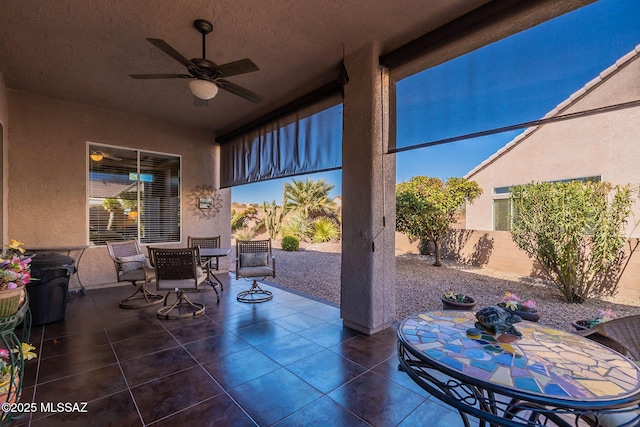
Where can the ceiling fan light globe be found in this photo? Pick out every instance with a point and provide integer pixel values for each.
(203, 89)
(96, 156)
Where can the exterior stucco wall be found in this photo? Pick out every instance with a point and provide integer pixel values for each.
(606, 144)
(496, 250)
(47, 176)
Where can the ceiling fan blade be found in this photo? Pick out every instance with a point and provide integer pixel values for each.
(237, 90)
(164, 46)
(237, 67)
(109, 156)
(161, 76)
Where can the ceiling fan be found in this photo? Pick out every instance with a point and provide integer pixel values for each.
(206, 75)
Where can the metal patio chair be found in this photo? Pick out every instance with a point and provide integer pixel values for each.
(254, 260)
(208, 242)
(133, 266)
(178, 270)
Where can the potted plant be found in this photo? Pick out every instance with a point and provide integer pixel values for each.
(601, 317)
(15, 273)
(527, 310)
(457, 301)
(9, 375)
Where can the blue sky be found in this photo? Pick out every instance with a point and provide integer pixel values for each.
(512, 81)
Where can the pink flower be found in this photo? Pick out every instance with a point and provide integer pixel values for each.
(514, 302)
(4, 353)
(14, 266)
(606, 315)
(509, 296)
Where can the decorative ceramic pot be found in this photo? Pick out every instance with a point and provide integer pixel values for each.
(532, 316)
(580, 325)
(448, 304)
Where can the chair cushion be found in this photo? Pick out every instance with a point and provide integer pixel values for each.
(257, 259)
(260, 271)
(132, 263)
(136, 275)
(189, 283)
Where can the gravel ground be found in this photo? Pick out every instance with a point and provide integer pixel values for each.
(315, 270)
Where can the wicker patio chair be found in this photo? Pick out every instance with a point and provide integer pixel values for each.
(254, 260)
(178, 270)
(133, 266)
(622, 335)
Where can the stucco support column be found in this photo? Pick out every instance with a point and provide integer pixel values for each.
(368, 189)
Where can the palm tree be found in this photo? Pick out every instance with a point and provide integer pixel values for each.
(309, 198)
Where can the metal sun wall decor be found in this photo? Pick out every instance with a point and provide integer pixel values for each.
(205, 201)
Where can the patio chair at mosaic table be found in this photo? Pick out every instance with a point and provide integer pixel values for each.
(212, 263)
(179, 270)
(621, 334)
(133, 266)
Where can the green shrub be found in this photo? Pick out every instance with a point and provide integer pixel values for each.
(238, 221)
(576, 232)
(324, 230)
(241, 219)
(244, 233)
(290, 244)
(298, 226)
(110, 203)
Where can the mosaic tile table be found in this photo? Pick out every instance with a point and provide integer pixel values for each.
(546, 377)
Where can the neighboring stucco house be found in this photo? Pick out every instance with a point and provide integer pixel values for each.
(603, 146)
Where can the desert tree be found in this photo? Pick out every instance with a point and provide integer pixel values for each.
(426, 207)
(309, 198)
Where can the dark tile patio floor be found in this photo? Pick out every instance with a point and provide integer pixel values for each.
(285, 362)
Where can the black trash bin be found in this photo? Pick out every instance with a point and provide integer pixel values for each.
(48, 294)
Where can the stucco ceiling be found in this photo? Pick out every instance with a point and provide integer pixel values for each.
(83, 51)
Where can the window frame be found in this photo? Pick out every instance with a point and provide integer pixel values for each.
(139, 154)
(510, 212)
(504, 193)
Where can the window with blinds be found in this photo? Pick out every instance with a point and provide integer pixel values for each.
(133, 194)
